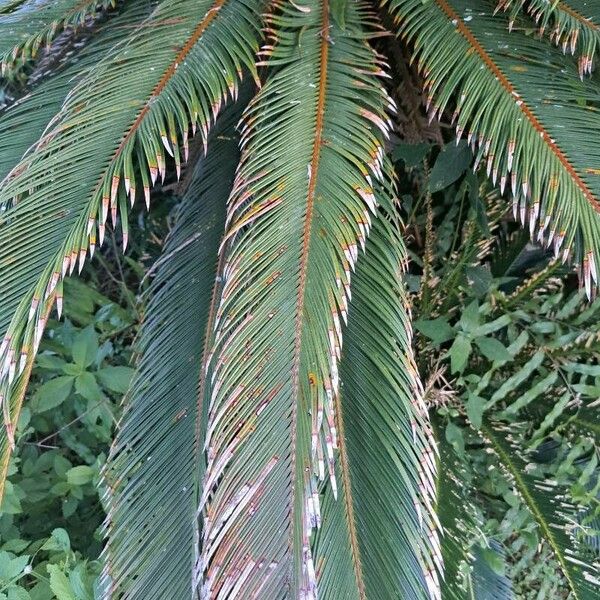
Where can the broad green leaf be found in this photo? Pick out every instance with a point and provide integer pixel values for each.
(469, 319)
(116, 379)
(80, 475)
(454, 436)
(452, 161)
(411, 154)
(59, 540)
(53, 393)
(16, 592)
(459, 353)
(85, 347)
(11, 503)
(11, 567)
(492, 349)
(87, 386)
(81, 583)
(59, 583)
(475, 408)
(437, 330)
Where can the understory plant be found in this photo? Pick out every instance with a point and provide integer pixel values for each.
(337, 168)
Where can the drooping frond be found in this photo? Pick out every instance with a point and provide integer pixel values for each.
(574, 25)
(467, 573)
(483, 583)
(23, 123)
(551, 507)
(378, 540)
(27, 26)
(154, 466)
(459, 520)
(525, 112)
(131, 110)
(297, 215)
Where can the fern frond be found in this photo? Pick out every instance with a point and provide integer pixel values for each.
(555, 514)
(525, 112)
(33, 24)
(574, 25)
(154, 466)
(109, 140)
(379, 539)
(299, 211)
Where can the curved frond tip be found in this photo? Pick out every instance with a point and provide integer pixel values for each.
(33, 24)
(574, 25)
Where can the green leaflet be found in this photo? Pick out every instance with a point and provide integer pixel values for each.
(525, 112)
(574, 25)
(551, 508)
(378, 539)
(298, 213)
(155, 464)
(109, 140)
(27, 26)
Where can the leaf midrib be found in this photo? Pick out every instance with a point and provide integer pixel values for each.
(314, 166)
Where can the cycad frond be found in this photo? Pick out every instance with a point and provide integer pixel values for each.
(133, 108)
(373, 538)
(298, 213)
(22, 124)
(550, 506)
(574, 25)
(32, 24)
(524, 110)
(459, 519)
(154, 466)
(483, 582)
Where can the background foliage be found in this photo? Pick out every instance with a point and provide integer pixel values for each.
(507, 344)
